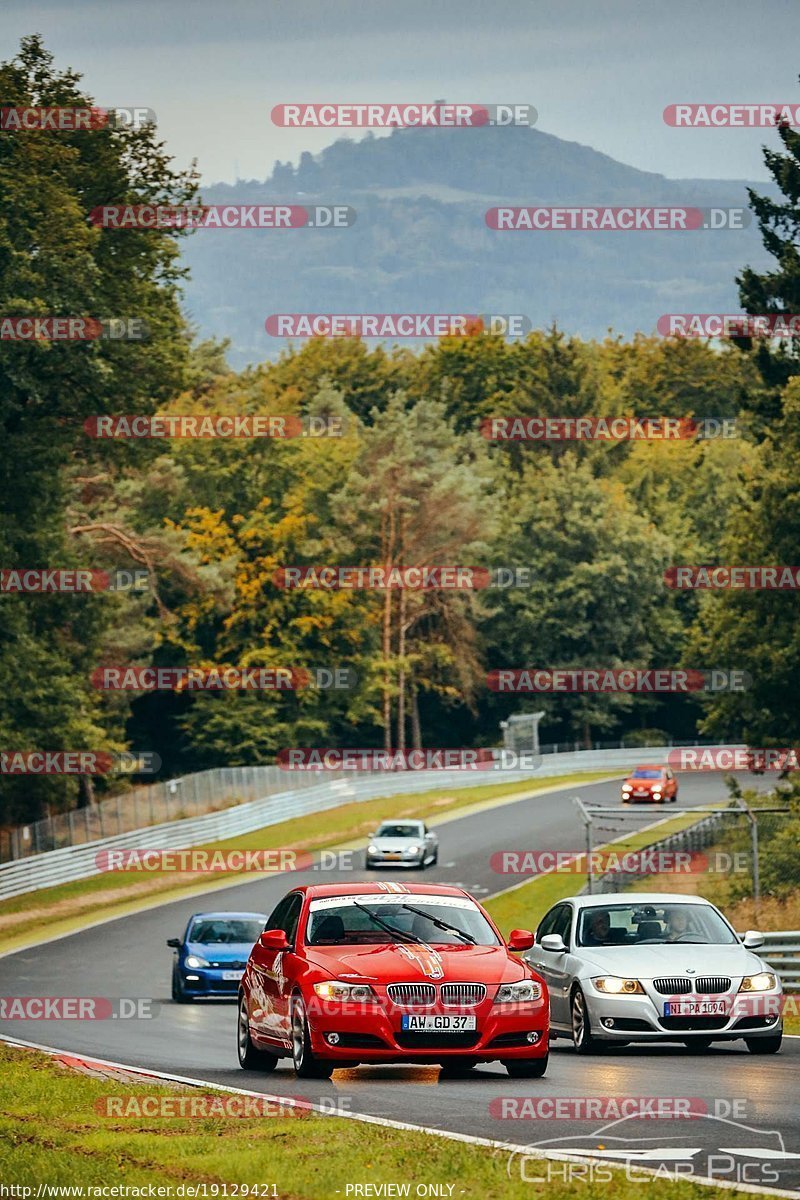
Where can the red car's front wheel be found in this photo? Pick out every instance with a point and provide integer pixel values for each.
(306, 1064)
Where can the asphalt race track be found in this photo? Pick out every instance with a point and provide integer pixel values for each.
(752, 1134)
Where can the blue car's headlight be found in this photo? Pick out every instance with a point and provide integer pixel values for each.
(194, 961)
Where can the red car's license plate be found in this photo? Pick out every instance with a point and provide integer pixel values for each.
(417, 1023)
(696, 1008)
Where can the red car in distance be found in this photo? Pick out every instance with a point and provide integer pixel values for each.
(650, 783)
(389, 973)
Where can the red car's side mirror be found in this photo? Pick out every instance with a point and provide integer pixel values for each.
(520, 939)
(274, 939)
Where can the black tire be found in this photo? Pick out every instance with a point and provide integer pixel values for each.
(526, 1068)
(697, 1045)
(585, 1043)
(306, 1065)
(435, 858)
(178, 993)
(250, 1059)
(764, 1045)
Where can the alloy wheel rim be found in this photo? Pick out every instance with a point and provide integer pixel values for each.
(243, 1032)
(298, 1034)
(577, 1018)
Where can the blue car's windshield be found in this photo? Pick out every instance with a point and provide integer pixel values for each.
(225, 931)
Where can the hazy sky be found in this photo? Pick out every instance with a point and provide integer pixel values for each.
(598, 71)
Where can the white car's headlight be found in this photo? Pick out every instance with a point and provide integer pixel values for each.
(525, 991)
(764, 981)
(412, 849)
(373, 849)
(613, 986)
(194, 961)
(332, 989)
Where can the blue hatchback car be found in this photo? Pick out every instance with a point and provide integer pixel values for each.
(211, 956)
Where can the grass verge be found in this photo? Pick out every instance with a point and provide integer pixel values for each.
(52, 1133)
(68, 907)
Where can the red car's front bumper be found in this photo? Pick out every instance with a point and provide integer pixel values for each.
(373, 1033)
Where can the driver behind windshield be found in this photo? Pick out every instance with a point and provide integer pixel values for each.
(677, 924)
(597, 929)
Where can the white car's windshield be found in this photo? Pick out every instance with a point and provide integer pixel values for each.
(399, 831)
(652, 924)
(368, 920)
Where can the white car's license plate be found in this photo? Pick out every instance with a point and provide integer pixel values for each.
(417, 1023)
(232, 974)
(696, 1008)
(391, 854)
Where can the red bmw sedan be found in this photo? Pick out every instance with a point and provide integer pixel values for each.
(389, 973)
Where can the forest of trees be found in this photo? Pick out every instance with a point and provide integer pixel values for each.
(410, 481)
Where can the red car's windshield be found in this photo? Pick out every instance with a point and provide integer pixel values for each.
(645, 773)
(368, 920)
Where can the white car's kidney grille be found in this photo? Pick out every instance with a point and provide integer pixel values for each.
(412, 995)
(672, 985)
(679, 985)
(462, 994)
(711, 985)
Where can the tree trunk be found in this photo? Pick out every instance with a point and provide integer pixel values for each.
(387, 650)
(401, 676)
(416, 732)
(587, 736)
(86, 798)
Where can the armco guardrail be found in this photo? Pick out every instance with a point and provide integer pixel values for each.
(782, 952)
(79, 862)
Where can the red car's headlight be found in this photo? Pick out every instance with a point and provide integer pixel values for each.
(524, 992)
(332, 989)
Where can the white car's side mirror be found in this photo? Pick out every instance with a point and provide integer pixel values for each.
(553, 943)
(753, 940)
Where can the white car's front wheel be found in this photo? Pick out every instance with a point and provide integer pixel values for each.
(581, 1028)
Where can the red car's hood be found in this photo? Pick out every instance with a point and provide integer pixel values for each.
(649, 784)
(407, 963)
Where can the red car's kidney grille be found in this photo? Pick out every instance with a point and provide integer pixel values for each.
(462, 995)
(412, 995)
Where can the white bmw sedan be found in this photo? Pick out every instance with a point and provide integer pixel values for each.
(653, 967)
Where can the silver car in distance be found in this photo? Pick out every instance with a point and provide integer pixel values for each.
(654, 967)
(402, 843)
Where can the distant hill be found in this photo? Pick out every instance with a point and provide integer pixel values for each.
(420, 243)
